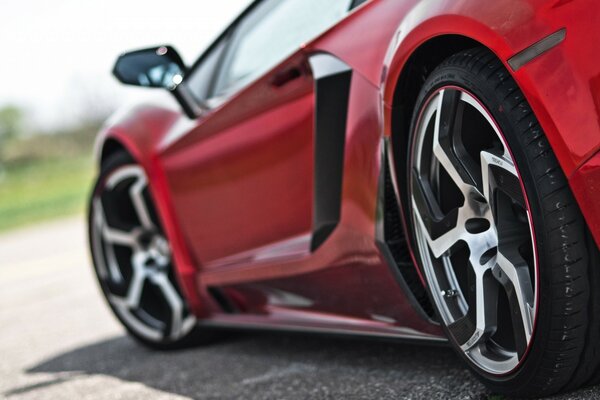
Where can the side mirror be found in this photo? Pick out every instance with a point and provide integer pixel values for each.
(157, 67)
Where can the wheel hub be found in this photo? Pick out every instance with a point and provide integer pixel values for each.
(159, 251)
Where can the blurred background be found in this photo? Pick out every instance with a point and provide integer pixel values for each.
(57, 88)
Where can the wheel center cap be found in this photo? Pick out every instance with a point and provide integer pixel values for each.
(159, 250)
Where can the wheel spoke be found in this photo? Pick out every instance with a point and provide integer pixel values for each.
(179, 325)
(136, 192)
(112, 235)
(161, 280)
(113, 266)
(140, 273)
(115, 236)
(444, 140)
(133, 322)
(516, 281)
(485, 304)
(499, 173)
(511, 269)
(443, 243)
(139, 203)
(464, 330)
(436, 223)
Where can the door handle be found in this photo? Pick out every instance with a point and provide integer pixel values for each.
(287, 76)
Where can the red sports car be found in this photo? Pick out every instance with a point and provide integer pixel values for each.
(426, 170)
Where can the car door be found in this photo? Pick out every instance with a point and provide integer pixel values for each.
(242, 177)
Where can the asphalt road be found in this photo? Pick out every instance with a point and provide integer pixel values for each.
(58, 341)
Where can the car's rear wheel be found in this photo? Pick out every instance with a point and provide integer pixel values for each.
(132, 258)
(499, 238)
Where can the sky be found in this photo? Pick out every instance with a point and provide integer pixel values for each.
(57, 55)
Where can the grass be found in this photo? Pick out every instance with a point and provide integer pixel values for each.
(46, 175)
(43, 189)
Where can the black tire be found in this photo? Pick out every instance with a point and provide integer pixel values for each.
(564, 350)
(192, 337)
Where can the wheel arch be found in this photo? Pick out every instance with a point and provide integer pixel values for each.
(138, 133)
(109, 147)
(400, 109)
(513, 27)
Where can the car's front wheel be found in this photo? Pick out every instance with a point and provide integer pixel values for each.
(499, 238)
(132, 258)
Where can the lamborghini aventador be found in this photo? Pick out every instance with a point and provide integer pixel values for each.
(420, 170)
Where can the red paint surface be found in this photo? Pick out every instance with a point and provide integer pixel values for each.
(585, 184)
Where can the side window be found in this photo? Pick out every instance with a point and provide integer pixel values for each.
(201, 80)
(357, 3)
(272, 31)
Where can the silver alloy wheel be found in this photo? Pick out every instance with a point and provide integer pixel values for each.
(473, 230)
(133, 260)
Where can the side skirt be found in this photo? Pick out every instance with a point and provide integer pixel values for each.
(258, 323)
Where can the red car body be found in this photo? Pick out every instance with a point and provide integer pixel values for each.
(234, 188)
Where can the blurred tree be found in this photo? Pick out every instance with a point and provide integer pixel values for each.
(11, 127)
(11, 122)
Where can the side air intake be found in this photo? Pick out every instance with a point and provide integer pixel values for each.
(396, 247)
